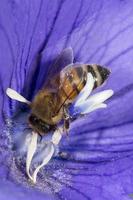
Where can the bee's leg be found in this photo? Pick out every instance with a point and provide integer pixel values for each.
(66, 119)
(66, 126)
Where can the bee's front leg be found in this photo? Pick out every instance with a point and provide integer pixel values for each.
(66, 117)
(66, 126)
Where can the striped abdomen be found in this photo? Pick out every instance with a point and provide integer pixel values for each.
(73, 79)
(99, 73)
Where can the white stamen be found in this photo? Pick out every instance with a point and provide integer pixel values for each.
(101, 96)
(94, 107)
(15, 95)
(94, 102)
(57, 136)
(54, 141)
(30, 153)
(44, 162)
(85, 92)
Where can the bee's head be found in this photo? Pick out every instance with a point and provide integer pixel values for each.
(39, 125)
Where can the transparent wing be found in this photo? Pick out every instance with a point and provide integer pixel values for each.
(34, 81)
(64, 59)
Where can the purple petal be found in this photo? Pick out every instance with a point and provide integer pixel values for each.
(96, 160)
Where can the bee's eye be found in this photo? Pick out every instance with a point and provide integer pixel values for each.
(35, 119)
(39, 124)
(32, 119)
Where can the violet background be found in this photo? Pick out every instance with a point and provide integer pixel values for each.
(98, 161)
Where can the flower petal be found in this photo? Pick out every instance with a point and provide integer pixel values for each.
(96, 160)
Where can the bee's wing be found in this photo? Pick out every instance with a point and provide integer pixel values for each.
(63, 60)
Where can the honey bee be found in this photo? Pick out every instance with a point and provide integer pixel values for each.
(51, 104)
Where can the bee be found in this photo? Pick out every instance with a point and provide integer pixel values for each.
(51, 104)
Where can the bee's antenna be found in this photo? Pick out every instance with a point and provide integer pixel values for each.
(16, 96)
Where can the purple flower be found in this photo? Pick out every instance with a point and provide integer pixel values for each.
(96, 161)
